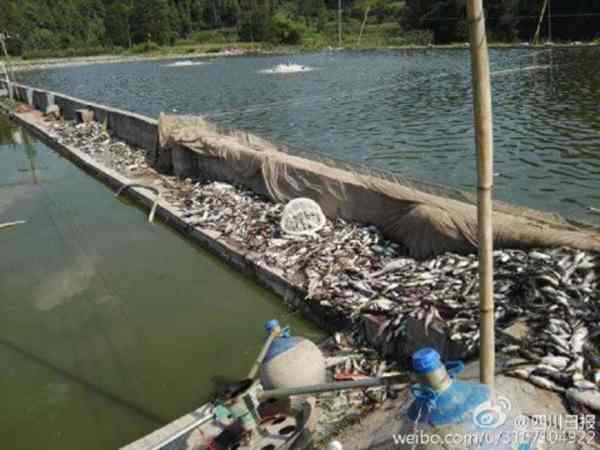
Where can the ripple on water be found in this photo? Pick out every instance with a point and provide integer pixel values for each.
(393, 110)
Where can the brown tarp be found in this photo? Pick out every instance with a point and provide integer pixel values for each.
(427, 219)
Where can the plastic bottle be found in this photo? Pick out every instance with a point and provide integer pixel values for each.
(452, 414)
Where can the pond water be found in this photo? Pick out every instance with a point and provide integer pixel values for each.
(109, 326)
(407, 112)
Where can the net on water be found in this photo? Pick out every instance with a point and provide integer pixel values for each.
(427, 219)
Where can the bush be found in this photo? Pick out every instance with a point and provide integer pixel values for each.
(412, 37)
(283, 30)
(313, 40)
(254, 28)
(218, 36)
(279, 29)
(144, 47)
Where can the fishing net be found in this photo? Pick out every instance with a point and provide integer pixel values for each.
(302, 216)
(425, 218)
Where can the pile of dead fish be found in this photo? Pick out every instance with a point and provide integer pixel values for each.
(353, 271)
(93, 139)
(555, 293)
(347, 360)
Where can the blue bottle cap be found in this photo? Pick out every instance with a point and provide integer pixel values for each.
(426, 360)
(271, 325)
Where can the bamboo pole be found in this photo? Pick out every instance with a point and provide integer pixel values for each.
(550, 21)
(536, 36)
(5, 55)
(340, 23)
(364, 22)
(482, 102)
(263, 352)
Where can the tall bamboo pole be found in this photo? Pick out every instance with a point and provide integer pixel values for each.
(536, 36)
(482, 102)
(362, 25)
(549, 21)
(339, 23)
(4, 55)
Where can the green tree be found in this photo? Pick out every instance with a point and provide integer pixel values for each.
(117, 23)
(152, 19)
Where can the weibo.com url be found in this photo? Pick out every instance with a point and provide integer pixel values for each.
(468, 439)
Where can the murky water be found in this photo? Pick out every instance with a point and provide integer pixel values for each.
(109, 326)
(409, 112)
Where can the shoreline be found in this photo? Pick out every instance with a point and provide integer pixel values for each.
(19, 65)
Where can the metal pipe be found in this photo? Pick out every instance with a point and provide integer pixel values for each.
(332, 387)
(482, 102)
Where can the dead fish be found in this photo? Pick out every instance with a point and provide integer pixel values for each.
(545, 383)
(589, 398)
(558, 362)
(579, 337)
(584, 385)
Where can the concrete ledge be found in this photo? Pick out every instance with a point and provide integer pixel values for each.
(135, 129)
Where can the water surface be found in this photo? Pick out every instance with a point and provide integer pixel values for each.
(109, 326)
(407, 112)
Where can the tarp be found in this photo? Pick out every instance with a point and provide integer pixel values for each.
(428, 220)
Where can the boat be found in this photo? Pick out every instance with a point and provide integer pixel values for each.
(232, 423)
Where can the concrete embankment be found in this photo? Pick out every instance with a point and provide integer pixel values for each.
(349, 275)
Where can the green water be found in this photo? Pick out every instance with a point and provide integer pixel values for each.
(109, 326)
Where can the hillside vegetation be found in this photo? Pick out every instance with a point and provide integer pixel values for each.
(87, 27)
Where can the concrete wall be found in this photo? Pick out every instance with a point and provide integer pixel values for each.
(135, 129)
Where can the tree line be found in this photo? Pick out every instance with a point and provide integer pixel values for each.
(508, 20)
(64, 24)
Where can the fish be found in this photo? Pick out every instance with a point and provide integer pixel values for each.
(352, 271)
(589, 398)
(545, 383)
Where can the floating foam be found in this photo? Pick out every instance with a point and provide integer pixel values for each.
(186, 63)
(288, 68)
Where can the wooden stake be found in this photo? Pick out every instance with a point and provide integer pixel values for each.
(482, 102)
